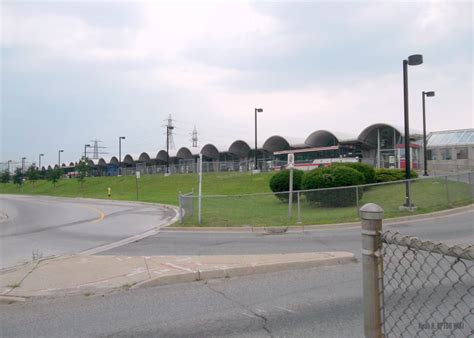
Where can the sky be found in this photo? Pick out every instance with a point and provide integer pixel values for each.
(75, 71)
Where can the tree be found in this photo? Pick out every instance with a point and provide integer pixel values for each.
(53, 175)
(83, 169)
(5, 177)
(18, 177)
(32, 174)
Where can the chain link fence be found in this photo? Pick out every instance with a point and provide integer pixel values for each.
(333, 205)
(427, 289)
(414, 287)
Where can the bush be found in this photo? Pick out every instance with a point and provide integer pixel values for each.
(365, 169)
(281, 182)
(331, 177)
(390, 175)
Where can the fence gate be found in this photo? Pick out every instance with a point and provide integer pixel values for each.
(414, 288)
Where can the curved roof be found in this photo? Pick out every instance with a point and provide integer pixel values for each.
(162, 156)
(144, 157)
(102, 162)
(325, 138)
(114, 160)
(184, 153)
(363, 136)
(128, 159)
(72, 164)
(211, 151)
(278, 142)
(239, 148)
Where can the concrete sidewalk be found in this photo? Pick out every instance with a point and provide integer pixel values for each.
(92, 274)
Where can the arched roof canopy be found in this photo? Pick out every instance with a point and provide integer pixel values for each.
(71, 164)
(184, 153)
(90, 163)
(102, 162)
(239, 148)
(144, 157)
(321, 138)
(49, 167)
(210, 151)
(128, 159)
(114, 160)
(276, 143)
(369, 135)
(162, 156)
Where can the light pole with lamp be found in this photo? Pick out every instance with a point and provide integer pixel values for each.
(23, 165)
(85, 150)
(257, 110)
(425, 159)
(59, 157)
(120, 154)
(413, 60)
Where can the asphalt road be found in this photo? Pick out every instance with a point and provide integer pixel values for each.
(44, 226)
(452, 229)
(319, 302)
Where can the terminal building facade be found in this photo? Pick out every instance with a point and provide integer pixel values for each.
(381, 145)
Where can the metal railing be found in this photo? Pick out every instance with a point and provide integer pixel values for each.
(412, 287)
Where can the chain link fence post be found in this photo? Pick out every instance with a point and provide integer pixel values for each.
(372, 215)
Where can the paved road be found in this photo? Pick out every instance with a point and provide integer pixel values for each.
(45, 226)
(320, 302)
(450, 229)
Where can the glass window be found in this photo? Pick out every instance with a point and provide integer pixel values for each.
(429, 154)
(461, 153)
(463, 139)
(445, 154)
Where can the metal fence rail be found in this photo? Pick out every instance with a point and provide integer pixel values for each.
(428, 288)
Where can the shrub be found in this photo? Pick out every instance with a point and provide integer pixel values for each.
(281, 182)
(390, 175)
(331, 177)
(365, 169)
(5, 176)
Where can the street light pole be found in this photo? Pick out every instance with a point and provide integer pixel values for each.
(413, 60)
(85, 150)
(39, 161)
(23, 165)
(257, 110)
(59, 158)
(425, 151)
(120, 152)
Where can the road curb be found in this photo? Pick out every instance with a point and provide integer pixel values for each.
(11, 299)
(302, 228)
(202, 275)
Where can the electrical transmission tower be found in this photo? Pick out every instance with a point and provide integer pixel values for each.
(96, 152)
(169, 133)
(194, 138)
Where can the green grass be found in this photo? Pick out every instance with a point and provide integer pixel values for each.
(256, 210)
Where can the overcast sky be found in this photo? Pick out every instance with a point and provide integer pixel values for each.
(73, 71)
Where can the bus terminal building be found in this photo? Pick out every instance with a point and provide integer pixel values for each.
(380, 145)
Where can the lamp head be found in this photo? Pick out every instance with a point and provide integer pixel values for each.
(415, 59)
(122, 137)
(61, 151)
(88, 145)
(41, 154)
(259, 110)
(430, 94)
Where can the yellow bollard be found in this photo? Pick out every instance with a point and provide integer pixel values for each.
(109, 192)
